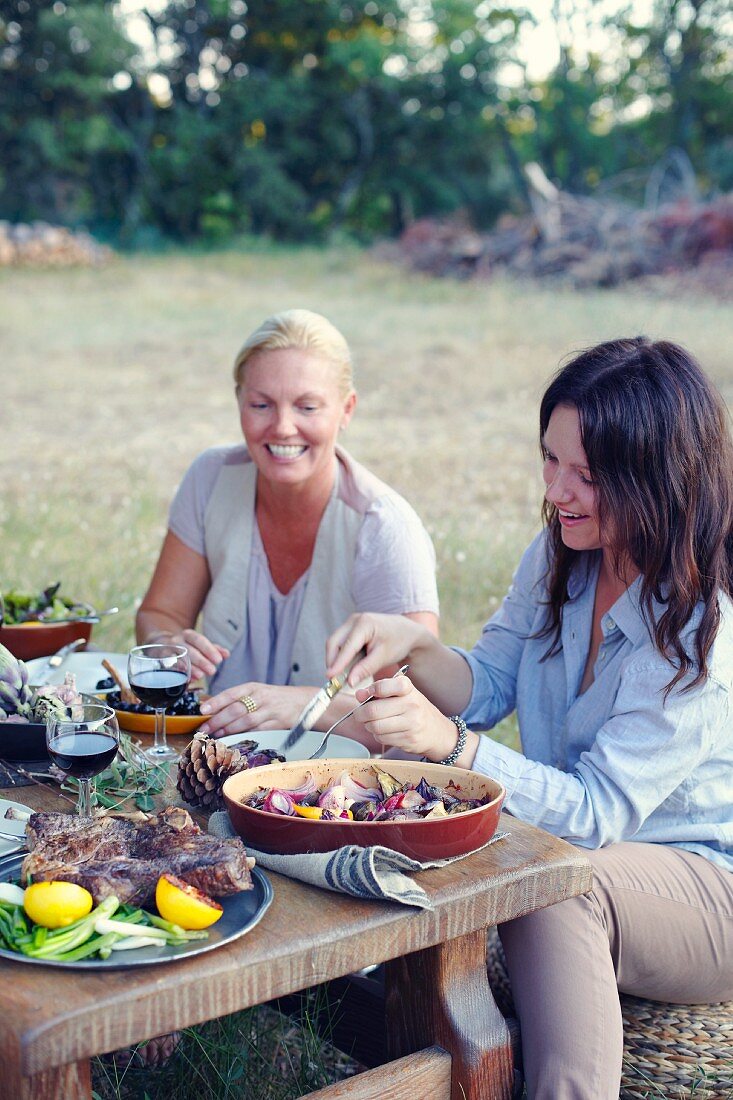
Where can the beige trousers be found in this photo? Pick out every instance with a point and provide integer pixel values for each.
(658, 923)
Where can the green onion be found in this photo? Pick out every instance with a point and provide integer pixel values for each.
(131, 942)
(95, 934)
(68, 939)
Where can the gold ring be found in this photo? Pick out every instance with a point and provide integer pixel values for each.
(249, 703)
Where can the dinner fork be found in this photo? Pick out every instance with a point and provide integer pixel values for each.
(21, 842)
(322, 747)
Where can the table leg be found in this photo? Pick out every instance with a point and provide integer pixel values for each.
(72, 1082)
(442, 996)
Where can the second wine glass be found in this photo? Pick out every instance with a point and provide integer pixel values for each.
(159, 674)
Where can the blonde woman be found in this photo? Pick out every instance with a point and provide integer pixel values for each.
(278, 540)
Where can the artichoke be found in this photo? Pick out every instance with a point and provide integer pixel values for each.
(19, 703)
(15, 695)
(56, 699)
(47, 706)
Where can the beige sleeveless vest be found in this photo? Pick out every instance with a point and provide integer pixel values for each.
(228, 525)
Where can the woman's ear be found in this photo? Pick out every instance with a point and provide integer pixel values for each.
(349, 406)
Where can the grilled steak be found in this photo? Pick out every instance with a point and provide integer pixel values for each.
(111, 855)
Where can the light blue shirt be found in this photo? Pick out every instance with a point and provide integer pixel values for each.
(618, 762)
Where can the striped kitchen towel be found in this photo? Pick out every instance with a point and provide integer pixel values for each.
(374, 872)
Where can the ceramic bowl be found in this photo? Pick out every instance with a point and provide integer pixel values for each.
(28, 640)
(145, 723)
(435, 838)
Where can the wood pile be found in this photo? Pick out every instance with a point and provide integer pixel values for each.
(585, 241)
(43, 245)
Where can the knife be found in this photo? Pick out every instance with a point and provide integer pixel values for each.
(55, 661)
(319, 703)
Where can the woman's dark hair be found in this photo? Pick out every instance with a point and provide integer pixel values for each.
(656, 435)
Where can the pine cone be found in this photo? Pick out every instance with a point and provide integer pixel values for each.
(202, 769)
(153, 1053)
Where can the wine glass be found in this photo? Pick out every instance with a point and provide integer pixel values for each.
(82, 743)
(159, 674)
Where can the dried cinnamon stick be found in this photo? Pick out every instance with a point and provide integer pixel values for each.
(126, 693)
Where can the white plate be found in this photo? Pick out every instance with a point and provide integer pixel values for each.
(87, 667)
(8, 825)
(340, 748)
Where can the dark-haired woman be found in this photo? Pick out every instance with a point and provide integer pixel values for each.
(615, 646)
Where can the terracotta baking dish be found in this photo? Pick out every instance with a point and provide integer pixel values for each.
(435, 838)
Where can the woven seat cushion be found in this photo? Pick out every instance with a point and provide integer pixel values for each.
(671, 1051)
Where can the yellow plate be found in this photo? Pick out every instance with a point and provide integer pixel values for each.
(145, 723)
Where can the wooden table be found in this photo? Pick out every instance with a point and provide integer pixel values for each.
(437, 993)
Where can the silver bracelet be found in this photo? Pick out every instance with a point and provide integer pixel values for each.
(460, 744)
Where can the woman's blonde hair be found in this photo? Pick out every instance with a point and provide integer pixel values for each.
(300, 328)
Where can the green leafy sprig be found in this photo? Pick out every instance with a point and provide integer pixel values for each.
(130, 777)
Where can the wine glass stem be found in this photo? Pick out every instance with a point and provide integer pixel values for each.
(84, 803)
(159, 742)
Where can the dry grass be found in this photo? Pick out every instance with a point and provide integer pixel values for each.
(113, 380)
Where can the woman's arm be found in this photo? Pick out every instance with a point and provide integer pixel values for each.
(425, 618)
(641, 755)
(172, 603)
(438, 672)
(278, 707)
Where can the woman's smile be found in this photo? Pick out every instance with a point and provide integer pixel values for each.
(571, 519)
(286, 452)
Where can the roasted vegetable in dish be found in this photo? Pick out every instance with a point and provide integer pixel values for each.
(40, 607)
(347, 799)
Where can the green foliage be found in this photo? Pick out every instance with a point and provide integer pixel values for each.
(298, 118)
(56, 65)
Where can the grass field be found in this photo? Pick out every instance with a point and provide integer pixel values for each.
(113, 380)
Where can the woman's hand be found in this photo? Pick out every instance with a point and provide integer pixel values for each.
(205, 656)
(441, 674)
(253, 706)
(399, 716)
(388, 640)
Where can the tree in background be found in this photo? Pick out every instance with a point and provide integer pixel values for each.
(297, 117)
(57, 66)
(685, 65)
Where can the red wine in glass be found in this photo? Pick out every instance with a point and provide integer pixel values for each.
(159, 688)
(83, 741)
(158, 674)
(82, 754)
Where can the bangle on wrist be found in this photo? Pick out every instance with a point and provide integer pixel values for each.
(460, 743)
